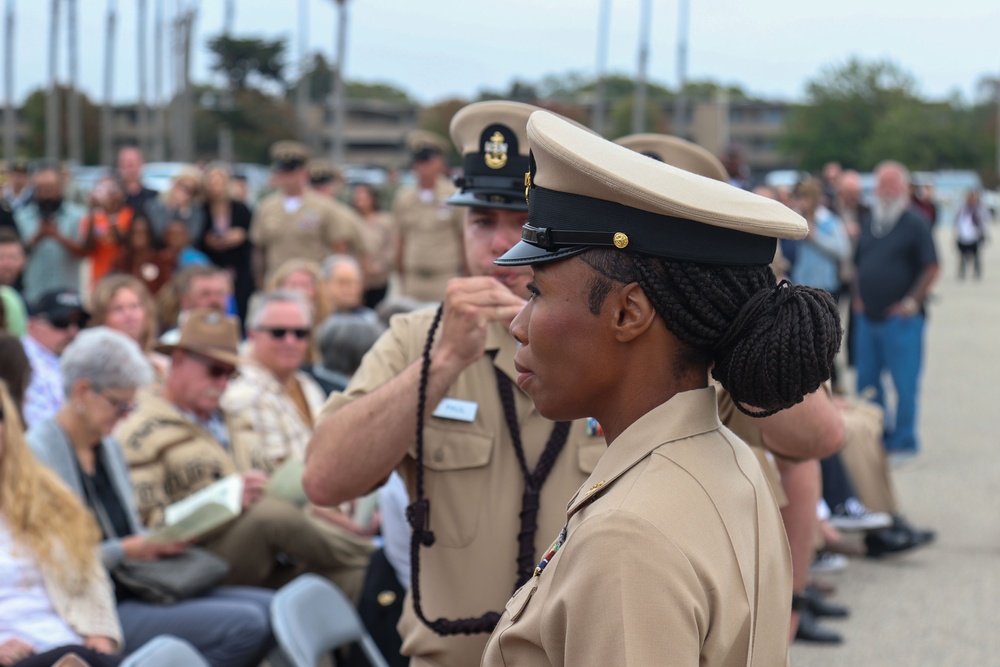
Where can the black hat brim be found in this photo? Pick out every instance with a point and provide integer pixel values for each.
(525, 254)
(488, 199)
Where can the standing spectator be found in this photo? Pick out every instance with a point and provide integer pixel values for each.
(182, 201)
(49, 227)
(11, 264)
(380, 242)
(103, 229)
(144, 257)
(971, 224)
(224, 238)
(296, 222)
(736, 168)
(896, 265)
(240, 189)
(17, 190)
(430, 239)
(137, 196)
(271, 393)
(818, 256)
(832, 172)
(923, 200)
(54, 320)
(57, 599)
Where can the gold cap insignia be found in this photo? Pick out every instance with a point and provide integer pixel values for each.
(620, 239)
(386, 598)
(495, 151)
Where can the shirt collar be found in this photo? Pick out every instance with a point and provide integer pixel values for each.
(685, 415)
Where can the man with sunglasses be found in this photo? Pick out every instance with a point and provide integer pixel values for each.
(181, 441)
(54, 319)
(272, 394)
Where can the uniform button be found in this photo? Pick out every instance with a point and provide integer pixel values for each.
(439, 456)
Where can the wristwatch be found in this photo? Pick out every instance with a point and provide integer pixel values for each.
(909, 305)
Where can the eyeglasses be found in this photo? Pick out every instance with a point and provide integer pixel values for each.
(215, 369)
(277, 333)
(121, 408)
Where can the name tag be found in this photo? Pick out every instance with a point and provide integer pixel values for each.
(457, 410)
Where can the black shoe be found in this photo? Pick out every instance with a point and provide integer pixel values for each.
(820, 607)
(891, 541)
(920, 536)
(811, 630)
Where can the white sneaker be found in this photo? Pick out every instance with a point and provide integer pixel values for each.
(828, 562)
(855, 517)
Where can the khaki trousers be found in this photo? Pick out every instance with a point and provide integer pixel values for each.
(252, 543)
(863, 456)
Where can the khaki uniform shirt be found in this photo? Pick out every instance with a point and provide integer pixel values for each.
(747, 428)
(432, 236)
(257, 397)
(170, 457)
(675, 555)
(310, 232)
(474, 485)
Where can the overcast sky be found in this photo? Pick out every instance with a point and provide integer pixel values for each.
(436, 48)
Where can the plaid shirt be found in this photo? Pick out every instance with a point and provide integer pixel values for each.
(257, 397)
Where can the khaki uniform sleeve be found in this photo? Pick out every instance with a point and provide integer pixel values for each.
(258, 235)
(609, 606)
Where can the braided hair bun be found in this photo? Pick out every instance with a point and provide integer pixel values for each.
(770, 345)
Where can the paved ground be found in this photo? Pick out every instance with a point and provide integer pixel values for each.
(939, 606)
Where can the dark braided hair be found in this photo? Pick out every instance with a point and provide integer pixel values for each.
(769, 344)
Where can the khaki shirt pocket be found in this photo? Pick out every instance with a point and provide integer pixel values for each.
(457, 477)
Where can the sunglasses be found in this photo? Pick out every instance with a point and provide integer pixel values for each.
(215, 369)
(121, 408)
(277, 333)
(64, 322)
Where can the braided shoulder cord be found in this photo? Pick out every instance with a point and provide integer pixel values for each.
(417, 514)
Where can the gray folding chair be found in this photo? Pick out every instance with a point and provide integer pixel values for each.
(165, 651)
(311, 617)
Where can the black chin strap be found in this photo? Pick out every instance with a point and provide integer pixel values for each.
(418, 514)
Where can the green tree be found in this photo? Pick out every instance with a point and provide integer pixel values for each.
(242, 60)
(33, 111)
(844, 105)
(437, 118)
(319, 79)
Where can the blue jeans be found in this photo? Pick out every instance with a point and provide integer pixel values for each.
(896, 345)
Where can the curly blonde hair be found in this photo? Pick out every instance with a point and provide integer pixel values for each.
(40, 512)
(320, 307)
(106, 290)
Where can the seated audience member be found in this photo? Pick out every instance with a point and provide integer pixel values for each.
(343, 341)
(195, 287)
(15, 369)
(103, 229)
(305, 277)
(279, 401)
(181, 441)
(12, 259)
(343, 283)
(124, 304)
(57, 599)
(102, 370)
(54, 320)
(144, 257)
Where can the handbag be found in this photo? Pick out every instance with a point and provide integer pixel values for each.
(172, 578)
(165, 580)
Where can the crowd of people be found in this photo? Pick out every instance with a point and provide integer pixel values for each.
(156, 343)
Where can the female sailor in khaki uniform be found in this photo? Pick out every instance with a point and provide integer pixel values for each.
(645, 277)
